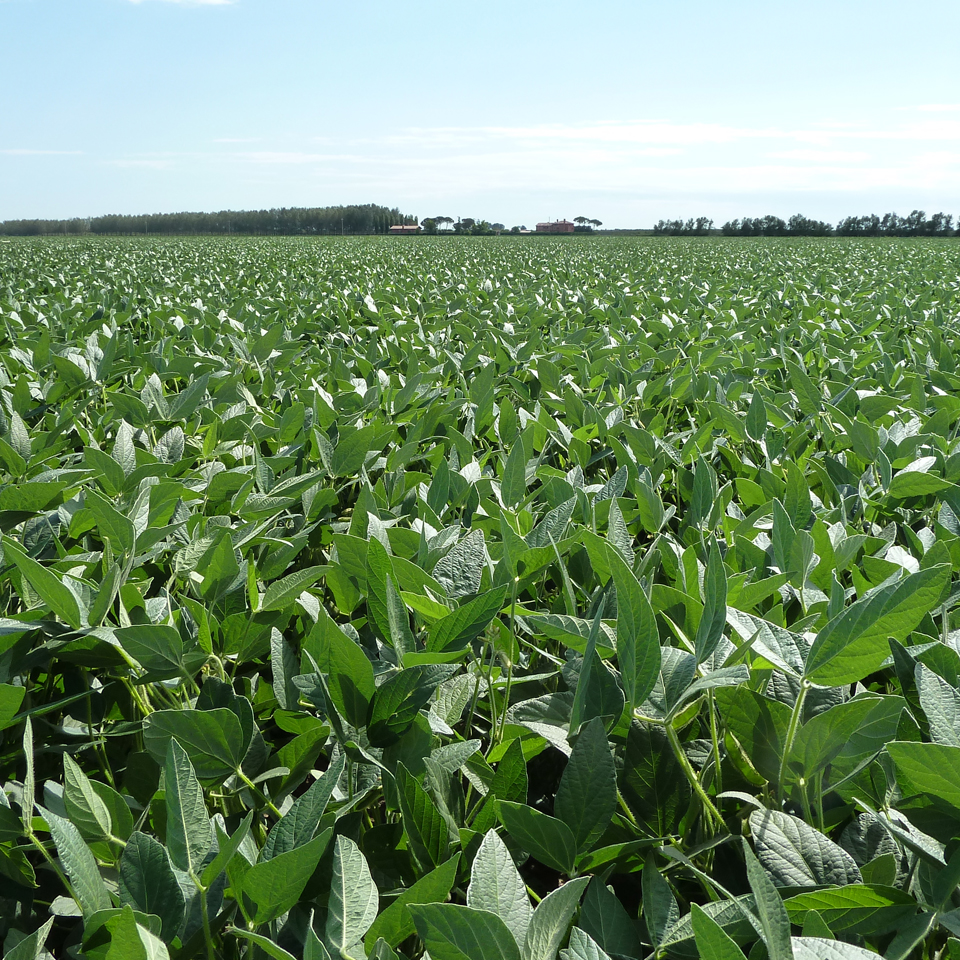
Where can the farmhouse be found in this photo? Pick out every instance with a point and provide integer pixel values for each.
(555, 226)
(401, 229)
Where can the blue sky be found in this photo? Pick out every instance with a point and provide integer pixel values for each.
(627, 111)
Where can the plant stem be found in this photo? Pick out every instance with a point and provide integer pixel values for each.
(53, 863)
(259, 794)
(791, 735)
(711, 707)
(691, 775)
(506, 702)
(205, 916)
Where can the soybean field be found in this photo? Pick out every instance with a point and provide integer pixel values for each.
(522, 598)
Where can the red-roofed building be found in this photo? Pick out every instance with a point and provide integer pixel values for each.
(556, 226)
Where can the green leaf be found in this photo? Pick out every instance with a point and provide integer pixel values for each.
(264, 943)
(496, 886)
(28, 796)
(770, 909)
(227, 850)
(597, 693)
(587, 795)
(382, 951)
(638, 640)
(513, 486)
(11, 698)
(759, 724)
(460, 570)
(930, 768)
(298, 825)
(31, 946)
(122, 935)
(660, 910)
(148, 884)
(915, 480)
(813, 948)
(213, 739)
(460, 628)
(352, 450)
(354, 900)
(941, 704)
(84, 807)
(313, 948)
(348, 669)
(111, 523)
(583, 947)
(51, 589)
(282, 593)
(283, 668)
(551, 920)
(794, 854)
(607, 921)
(395, 923)
(398, 619)
(756, 422)
(452, 932)
(845, 735)
(550, 840)
(79, 864)
(712, 942)
(714, 617)
(653, 783)
(189, 833)
(422, 820)
(855, 909)
(814, 925)
(808, 396)
(854, 644)
(275, 885)
(797, 501)
(396, 703)
(159, 650)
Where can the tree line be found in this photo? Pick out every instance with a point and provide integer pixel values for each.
(680, 228)
(467, 226)
(483, 228)
(917, 224)
(355, 219)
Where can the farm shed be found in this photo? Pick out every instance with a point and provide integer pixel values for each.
(555, 226)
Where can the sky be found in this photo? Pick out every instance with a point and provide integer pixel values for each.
(512, 111)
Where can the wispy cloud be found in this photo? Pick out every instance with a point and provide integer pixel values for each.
(939, 107)
(235, 140)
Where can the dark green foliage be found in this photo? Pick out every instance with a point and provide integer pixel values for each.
(590, 601)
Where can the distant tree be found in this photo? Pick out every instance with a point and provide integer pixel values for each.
(801, 226)
(914, 223)
(514, 229)
(940, 225)
(429, 225)
(596, 224)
